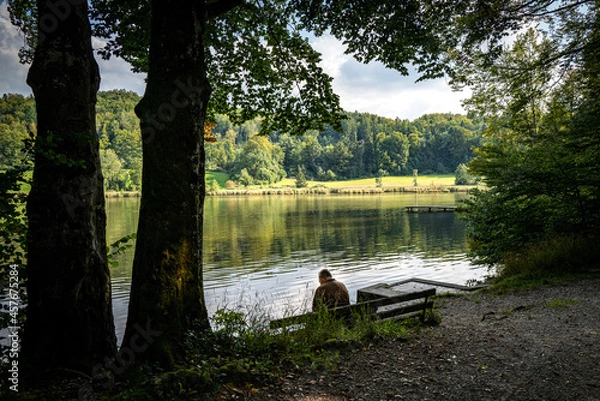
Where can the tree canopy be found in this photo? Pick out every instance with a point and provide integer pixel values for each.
(249, 59)
(541, 160)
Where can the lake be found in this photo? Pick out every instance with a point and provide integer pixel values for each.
(262, 253)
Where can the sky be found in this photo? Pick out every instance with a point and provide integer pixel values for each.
(369, 88)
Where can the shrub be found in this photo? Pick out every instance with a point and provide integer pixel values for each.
(556, 256)
(462, 176)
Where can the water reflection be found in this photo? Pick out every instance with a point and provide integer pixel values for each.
(266, 251)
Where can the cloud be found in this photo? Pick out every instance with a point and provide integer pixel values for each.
(373, 88)
(115, 73)
(14, 74)
(333, 57)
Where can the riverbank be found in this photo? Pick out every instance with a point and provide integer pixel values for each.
(391, 184)
(323, 190)
(543, 344)
(316, 190)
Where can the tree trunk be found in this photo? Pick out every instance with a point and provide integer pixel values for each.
(69, 316)
(166, 290)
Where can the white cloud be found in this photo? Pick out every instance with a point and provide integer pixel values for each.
(14, 74)
(116, 73)
(373, 88)
(333, 57)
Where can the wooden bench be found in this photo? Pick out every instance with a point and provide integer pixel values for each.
(384, 307)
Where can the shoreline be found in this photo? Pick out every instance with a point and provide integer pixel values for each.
(539, 344)
(316, 190)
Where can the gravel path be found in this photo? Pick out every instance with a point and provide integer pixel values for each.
(543, 344)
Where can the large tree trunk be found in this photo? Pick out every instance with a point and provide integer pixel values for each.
(69, 316)
(166, 291)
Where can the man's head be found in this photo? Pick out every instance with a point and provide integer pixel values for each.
(324, 275)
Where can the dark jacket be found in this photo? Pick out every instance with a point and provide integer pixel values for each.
(331, 293)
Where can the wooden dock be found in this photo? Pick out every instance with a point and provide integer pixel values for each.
(430, 209)
(412, 285)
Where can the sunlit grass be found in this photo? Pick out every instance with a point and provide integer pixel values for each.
(561, 304)
(220, 178)
(435, 180)
(26, 186)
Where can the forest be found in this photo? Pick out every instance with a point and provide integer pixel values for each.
(367, 145)
(533, 71)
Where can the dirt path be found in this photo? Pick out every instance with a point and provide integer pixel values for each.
(540, 345)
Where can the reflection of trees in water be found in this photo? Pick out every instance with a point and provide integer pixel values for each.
(239, 231)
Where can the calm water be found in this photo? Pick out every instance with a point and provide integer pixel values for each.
(265, 251)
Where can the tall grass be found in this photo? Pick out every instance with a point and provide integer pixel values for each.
(242, 350)
(549, 261)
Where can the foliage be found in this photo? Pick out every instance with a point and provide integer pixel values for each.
(301, 181)
(324, 155)
(478, 33)
(563, 254)
(219, 177)
(463, 177)
(541, 178)
(258, 63)
(120, 140)
(13, 249)
(435, 143)
(259, 162)
(379, 179)
(212, 185)
(17, 120)
(13, 223)
(119, 247)
(13, 220)
(242, 350)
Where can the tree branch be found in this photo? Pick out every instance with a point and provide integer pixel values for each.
(219, 7)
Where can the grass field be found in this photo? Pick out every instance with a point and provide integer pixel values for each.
(220, 178)
(439, 180)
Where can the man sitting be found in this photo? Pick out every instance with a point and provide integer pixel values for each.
(331, 293)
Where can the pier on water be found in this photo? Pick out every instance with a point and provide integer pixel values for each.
(429, 209)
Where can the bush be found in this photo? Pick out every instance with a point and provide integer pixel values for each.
(560, 255)
(301, 181)
(212, 186)
(462, 176)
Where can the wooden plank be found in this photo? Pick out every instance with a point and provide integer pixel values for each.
(403, 310)
(376, 303)
(386, 291)
(374, 292)
(435, 284)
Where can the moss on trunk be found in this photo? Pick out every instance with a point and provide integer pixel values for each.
(167, 270)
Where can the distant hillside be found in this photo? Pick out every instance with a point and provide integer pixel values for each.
(367, 145)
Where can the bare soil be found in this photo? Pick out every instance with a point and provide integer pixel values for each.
(543, 344)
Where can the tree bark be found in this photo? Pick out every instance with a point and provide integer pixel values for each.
(166, 291)
(69, 315)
